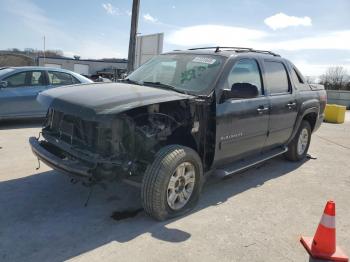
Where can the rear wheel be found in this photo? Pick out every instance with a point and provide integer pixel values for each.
(298, 147)
(172, 183)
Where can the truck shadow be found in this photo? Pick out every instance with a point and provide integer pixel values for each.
(21, 123)
(43, 216)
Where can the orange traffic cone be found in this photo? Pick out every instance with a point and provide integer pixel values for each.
(323, 245)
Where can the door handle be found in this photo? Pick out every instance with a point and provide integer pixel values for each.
(291, 104)
(262, 109)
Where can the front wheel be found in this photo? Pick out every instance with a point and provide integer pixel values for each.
(172, 183)
(298, 147)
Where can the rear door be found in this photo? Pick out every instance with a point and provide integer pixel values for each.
(19, 97)
(283, 102)
(241, 124)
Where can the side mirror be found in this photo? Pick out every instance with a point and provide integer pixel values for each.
(241, 90)
(3, 84)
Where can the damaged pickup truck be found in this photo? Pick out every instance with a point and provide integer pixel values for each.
(176, 119)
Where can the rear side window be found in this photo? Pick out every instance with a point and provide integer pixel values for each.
(245, 71)
(16, 80)
(296, 77)
(60, 78)
(276, 77)
(36, 78)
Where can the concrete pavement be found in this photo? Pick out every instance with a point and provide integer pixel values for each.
(254, 216)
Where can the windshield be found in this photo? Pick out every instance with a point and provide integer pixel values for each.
(183, 72)
(4, 71)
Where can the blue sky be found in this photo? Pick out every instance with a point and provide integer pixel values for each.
(313, 34)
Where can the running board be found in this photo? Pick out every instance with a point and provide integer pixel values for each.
(247, 163)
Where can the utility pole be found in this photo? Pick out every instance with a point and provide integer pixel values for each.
(133, 32)
(44, 51)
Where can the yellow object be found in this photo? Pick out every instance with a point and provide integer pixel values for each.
(334, 113)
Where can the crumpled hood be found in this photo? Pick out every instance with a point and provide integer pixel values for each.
(105, 98)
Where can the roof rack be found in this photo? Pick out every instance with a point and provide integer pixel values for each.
(265, 52)
(218, 48)
(236, 49)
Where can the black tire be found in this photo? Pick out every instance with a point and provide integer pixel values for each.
(154, 189)
(292, 154)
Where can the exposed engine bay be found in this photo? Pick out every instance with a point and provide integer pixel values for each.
(123, 145)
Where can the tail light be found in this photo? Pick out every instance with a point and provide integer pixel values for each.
(323, 97)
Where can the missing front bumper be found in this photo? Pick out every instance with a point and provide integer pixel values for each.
(64, 165)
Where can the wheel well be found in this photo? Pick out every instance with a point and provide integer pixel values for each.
(182, 136)
(311, 118)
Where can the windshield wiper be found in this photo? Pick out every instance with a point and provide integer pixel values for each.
(165, 86)
(130, 81)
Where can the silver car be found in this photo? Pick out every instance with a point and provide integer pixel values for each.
(19, 87)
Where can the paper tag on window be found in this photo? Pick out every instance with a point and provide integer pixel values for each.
(204, 60)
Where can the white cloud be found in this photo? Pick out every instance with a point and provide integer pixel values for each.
(128, 12)
(206, 35)
(110, 9)
(328, 40)
(281, 20)
(147, 17)
(313, 69)
(215, 35)
(240, 36)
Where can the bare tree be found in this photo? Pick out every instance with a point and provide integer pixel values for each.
(310, 79)
(335, 78)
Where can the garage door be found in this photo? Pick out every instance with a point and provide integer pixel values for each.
(81, 69)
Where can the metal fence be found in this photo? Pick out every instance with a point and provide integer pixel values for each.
(339, 97)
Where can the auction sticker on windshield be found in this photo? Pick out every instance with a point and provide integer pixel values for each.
(204, 60)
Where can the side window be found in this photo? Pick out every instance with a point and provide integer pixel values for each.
(60, 78)
(276, 77)
(36, 78)
(16, 80)
(245, 71)
(75, 81)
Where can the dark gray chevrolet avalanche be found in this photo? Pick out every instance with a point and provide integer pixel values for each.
(177, 117)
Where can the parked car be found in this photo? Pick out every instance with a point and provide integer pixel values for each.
(102, 79)
(179, 117)
(19, 87)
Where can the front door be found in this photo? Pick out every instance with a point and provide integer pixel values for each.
(241, 124)
(18, 98)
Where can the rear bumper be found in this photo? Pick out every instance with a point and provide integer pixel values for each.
(69, 167)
